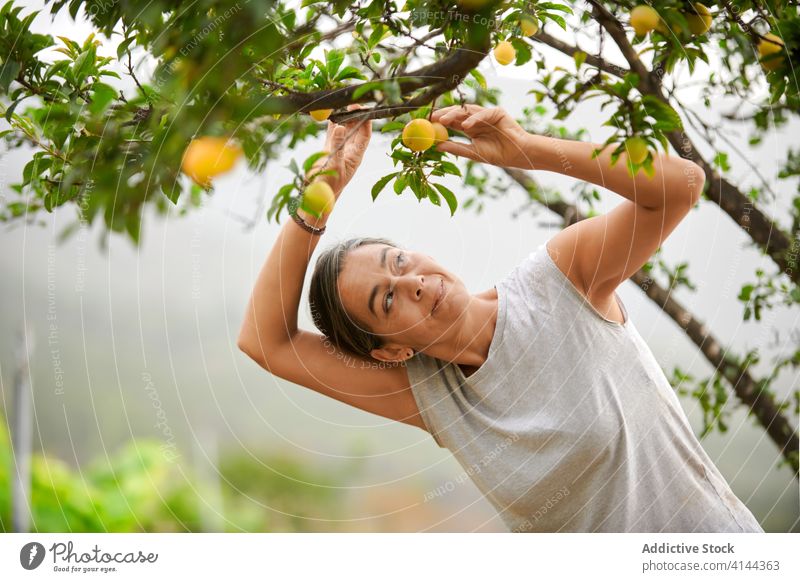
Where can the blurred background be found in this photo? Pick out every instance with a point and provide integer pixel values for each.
(145, 415)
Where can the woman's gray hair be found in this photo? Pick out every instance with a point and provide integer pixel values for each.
(327, 309)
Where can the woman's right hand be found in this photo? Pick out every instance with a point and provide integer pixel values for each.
(344, 153)
(496, 138)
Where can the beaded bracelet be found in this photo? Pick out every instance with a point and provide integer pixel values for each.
(307, 227)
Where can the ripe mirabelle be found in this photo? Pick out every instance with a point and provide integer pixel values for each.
(320, 114)
(765, 48)
(699, 20)
(528, 25)
(440, 132)
(208, 156)
(418, 135)
(644, 19)
(504, 52)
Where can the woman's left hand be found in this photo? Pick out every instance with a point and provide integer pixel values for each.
(345, 153)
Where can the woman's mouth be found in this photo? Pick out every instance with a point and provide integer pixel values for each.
(439, 296)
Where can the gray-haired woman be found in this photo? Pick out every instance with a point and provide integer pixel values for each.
(541, 386)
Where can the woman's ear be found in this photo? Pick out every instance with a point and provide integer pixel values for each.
(393, 353)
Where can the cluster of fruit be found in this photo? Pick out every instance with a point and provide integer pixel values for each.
(421, 134)
(208, 156)
(645, 19)
(504, 52)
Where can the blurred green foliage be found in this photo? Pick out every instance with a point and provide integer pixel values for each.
(139, 489)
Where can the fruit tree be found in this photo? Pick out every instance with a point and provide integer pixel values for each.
(165, 95)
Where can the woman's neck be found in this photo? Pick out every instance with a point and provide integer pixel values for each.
(473, 332)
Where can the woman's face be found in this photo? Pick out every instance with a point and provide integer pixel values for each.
(393, 292)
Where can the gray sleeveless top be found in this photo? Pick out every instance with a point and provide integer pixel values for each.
(570, 424)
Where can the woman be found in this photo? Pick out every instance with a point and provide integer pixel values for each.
(541, 386)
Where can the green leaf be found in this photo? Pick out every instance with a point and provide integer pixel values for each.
(377, 34)
(449, 197)
(392, 126)
(83, 65)
(12, 107)
(173, 192)
(133, 224)
(744, 294)
(450, 168)
(431, 195)
(349, 73)
(416, 185)
(666, 117)
(102, 95)
(523, 51)
(558, 20)
(123, 47)
(334, 59)
(8, 72)
(311, 159)
(400, 183)
(366, 87)
(648, 166)
(478, 77)
(381, 184)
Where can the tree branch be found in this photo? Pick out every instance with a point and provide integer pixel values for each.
(761, 228)
(570, 51)
(445, 74)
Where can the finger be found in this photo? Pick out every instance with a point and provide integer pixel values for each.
(329, 134)
(338, 140)
(485, 117)
(459, 149)
(455, 119)
(467, 107)
(362, 127)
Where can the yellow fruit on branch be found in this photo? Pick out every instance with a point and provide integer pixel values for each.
(418, 135)
(770, 45)
(504, 52)
(440, 132)
(636, 147)
(644, 19)
(528, 25)
(699, 19)
(320, 114)
(318, 198)
(207, 157)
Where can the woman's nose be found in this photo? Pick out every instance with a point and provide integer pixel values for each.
(417, 286)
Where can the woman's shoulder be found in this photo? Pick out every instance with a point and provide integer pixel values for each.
(525, 280)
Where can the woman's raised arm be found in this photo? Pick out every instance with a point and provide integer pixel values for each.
(269, 334)
(270, 320)
(598, 253)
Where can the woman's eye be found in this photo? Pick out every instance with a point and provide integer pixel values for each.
(401, 258)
